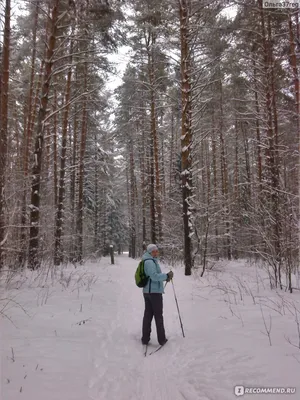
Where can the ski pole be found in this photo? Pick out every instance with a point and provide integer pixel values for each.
(177, 308)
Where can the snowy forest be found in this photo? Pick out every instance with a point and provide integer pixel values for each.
(174, 122)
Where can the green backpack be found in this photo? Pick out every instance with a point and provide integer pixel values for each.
(141, 279)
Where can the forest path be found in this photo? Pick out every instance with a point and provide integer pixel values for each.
(121, 370)
(80, 336)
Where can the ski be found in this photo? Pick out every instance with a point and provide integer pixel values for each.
(158, 348)
(145, 349)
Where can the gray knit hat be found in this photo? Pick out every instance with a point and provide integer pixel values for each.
(151, 247)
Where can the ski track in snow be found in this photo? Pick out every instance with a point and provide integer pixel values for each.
(223, 346)
(137, 377)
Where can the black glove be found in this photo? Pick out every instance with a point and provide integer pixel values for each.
(170, 276)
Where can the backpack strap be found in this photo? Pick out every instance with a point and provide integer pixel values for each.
(150, 278)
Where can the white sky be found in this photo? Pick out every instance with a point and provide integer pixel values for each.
(119, 61)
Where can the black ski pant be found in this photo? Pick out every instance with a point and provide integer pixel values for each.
(153, 308)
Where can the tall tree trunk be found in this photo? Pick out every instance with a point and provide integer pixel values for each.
(33, 259)
(236, 165)
(186, 132)
(129, 207)
(4, 86)
(154, 136)
(55, 158)
(247, 160)
(224, 175)
(208, 200)
(80, 211)
(272, 168)
(144, 194)
(132, 201)
(73, 185)
(142, 159)
(171, 167)
(152, 192)
(28, 132)
(276, 166)
(215, 175)
(162, 175)
(96, 208)
(58, 253)
(236, 210)
(29, 122)
(294, 66)
(258, 135)
(293, 61)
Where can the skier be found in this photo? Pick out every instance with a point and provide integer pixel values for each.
(153, 292)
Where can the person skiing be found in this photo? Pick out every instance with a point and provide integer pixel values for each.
(152, 293)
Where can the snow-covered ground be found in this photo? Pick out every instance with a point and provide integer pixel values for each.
(77, 337)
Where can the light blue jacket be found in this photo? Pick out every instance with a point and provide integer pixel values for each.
(152, 269)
